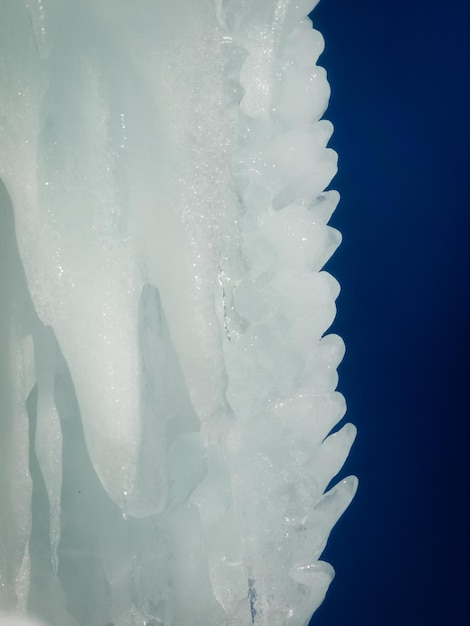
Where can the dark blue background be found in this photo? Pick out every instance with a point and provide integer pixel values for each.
(399, 73)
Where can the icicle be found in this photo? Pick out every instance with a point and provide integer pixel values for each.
(48, 440)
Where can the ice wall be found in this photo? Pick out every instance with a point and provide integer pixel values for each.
(167, 388)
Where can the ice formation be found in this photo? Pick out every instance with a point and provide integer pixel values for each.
(16, 620)
(168, 389)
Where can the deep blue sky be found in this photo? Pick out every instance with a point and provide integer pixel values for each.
(399, 74)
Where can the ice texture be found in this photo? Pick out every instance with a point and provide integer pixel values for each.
(167, 390)
(12, 620)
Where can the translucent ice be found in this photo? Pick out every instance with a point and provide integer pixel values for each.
(169, 392)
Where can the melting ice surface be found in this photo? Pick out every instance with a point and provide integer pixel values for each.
(168, 388)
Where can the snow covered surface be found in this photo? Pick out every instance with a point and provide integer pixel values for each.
(169, 389)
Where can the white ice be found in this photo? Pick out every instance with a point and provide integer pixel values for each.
(168, 391)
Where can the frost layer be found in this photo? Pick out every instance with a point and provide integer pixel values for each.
(169, 389)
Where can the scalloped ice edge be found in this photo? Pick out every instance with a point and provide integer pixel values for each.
(284, 95)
